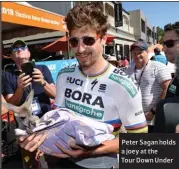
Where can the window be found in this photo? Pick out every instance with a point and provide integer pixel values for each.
(109, 50)
(109, 10)
(142, 25)
(126, 51)
(149, 32)
(125, 20)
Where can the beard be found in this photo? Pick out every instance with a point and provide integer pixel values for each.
(177, 67)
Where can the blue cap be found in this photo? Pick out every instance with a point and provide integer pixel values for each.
(141, 44)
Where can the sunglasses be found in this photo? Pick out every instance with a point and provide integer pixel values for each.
(169, 43)
(87, 40)
(17, 48)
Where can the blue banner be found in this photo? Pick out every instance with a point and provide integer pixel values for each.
(56, 65)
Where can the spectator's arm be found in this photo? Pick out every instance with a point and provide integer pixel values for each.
(44, 78)
(11, 96)
(49, 89)
(164, 86)
(15, 98)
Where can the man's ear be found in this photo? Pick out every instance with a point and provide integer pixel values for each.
(104, 39)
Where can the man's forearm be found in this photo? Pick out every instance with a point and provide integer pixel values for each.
(50, 90)
(108, 147)
(16, 98)
(163, 94)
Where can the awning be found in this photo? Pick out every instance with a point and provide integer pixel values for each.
(58, 45)
(61, 44)
(21, 14)
(110, 39)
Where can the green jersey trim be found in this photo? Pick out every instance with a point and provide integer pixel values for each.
(67, 70)
(125, 83)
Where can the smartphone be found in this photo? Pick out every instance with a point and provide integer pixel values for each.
(28, 67)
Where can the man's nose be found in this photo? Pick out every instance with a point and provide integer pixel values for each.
(81, 47)
(19, 49)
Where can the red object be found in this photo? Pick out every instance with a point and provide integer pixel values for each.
(4, 117)
(61, 44)
(110, 38)
(58, 45)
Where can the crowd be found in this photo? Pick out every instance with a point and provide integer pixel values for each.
(127, 99)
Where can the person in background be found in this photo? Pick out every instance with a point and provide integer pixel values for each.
(152, 77)
(124, 62)
(171, 49)
(17, 84)
(159, 57)
(112, 60)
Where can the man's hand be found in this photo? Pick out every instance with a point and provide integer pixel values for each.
(32, 142)
(149, 116)
(37, 76)
(76, 152)
(23, 81)
(107, 147)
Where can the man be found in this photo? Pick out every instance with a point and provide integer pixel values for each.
(159, 57)
(95, 89)
(17, 85)
(152, 77)
(171, 49)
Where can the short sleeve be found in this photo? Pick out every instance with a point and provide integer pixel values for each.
(47, 74)
(132, 115)
(162, 73)
(6, 85)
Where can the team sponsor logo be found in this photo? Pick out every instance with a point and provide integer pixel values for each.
(84, 110)
(122, 73)
(172, 89)
(71, 80)
(125, 83)
(84, 98)
(138, 113)
(102, 87)
(93, 83)
(67, 69)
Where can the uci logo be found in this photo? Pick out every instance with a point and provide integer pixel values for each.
(71, 80)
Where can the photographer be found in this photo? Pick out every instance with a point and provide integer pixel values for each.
(17, 84)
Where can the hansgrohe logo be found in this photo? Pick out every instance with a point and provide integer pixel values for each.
(125, 83)
(87, 111)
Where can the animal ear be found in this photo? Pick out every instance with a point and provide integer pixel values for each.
(30, 97)
(17, 110)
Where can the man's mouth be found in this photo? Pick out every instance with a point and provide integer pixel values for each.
(83, 55)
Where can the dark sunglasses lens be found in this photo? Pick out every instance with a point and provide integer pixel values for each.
(88, 41)
(23, 47)
(15, 49)
(169, 43)
(73, 42)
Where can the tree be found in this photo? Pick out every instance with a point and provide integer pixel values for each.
(160, 34)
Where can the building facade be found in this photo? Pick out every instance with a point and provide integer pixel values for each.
(135, 26)
(142, 27)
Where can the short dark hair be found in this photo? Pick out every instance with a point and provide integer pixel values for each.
(85, 15)
(174, 26)
(157, 51)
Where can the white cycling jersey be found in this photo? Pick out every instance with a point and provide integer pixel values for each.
(110, 97)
